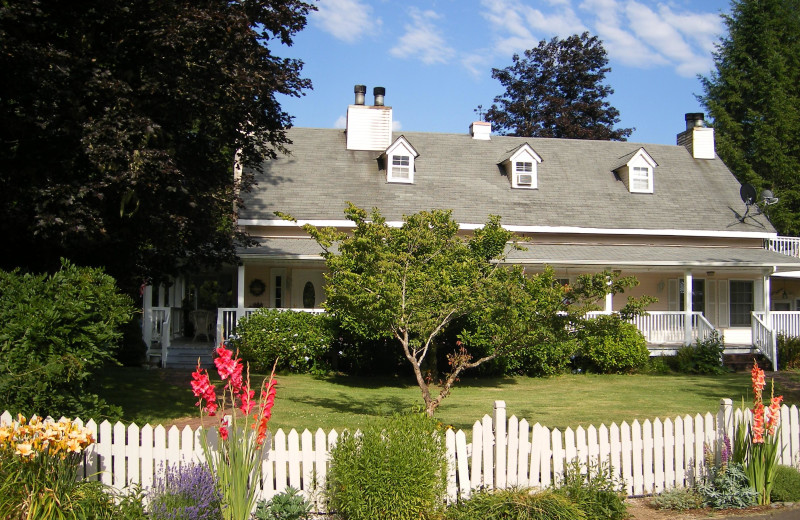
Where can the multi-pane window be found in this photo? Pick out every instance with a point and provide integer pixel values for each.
(698, 295)
(278, 292)
(401, 167)
(641, 179)
(523, 171)
(741, 302)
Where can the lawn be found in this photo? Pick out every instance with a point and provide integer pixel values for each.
(161, 396)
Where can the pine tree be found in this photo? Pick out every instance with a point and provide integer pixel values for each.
(753, 98)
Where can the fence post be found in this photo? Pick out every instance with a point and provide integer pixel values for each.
(724, 426)
(499, 445)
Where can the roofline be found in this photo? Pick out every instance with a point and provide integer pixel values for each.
(532, 229)
(663, 263)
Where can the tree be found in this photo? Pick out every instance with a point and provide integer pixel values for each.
(557, 90)
(752, 97)
(411, 282)
(120, 121)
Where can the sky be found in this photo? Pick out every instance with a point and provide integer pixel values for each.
(435, 58)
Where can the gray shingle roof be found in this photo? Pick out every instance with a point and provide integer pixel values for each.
(576, 185)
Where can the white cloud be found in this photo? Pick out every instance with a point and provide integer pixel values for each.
(514, 22)
(423, 40)
(340, 123)
(396, 126)
(346, 20)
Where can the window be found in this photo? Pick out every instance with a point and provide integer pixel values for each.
(278, 292)
(698, 295)
(641, 179)
(401, 167)
(741, 302)
(524, 173)
(309, 296)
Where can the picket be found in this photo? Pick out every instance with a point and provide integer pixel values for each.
(649, 457)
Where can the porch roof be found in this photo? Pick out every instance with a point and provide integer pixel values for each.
(643, 256)
(297, 248)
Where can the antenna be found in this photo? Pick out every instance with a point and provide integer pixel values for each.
(748, 194)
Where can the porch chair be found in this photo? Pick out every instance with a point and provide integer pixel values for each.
(203, 322)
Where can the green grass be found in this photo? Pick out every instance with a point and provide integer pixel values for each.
(303, 401)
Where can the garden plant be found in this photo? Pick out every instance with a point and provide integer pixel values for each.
(241, 431)
(185, 492)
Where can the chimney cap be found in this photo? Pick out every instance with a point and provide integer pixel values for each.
(360, 89)
(379, 91)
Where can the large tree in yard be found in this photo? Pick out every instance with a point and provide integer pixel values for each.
(753, 98)
(120, 121)
(556, 90)
(412, 282)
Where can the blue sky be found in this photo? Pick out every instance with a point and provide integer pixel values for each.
(435, 58)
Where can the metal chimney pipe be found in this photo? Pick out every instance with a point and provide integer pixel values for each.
(379, 93)
(694, 120)
(361, 91)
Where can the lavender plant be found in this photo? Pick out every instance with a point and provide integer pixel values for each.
(185, 492)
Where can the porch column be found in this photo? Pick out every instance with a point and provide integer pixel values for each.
(609, 308)
(147, 315)
(161, 295)
(766, 299)
(687, 308)
(239, 291)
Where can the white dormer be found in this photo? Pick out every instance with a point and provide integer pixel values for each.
(521, 167)
(637, 171)
(399, 159)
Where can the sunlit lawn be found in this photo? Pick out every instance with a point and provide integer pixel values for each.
(303, 401)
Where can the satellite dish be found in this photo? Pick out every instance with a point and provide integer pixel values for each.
(748, 194)
(767, 198)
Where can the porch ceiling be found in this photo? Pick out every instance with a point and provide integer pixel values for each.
(284, 249)
(652, 256)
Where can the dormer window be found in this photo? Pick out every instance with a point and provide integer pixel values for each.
(400, 161)
(637, 171)
(521, 167)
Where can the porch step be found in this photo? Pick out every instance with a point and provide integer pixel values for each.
(186, 357)
(744, 362)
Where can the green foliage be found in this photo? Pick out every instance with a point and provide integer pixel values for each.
(557, 90)
(788, 352)
(611, 345)
(656, 365)
(133, 349)
(786, 487)
(135, 112)
(300, 341)
(56, 333)
(727, 487)
(394, 468)
(519, 504)
(703, 357)
(753, 98)
(185, 492)
(595, 490)
(289, 505)
(678, 499)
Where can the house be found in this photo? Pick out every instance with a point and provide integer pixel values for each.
(672, 215)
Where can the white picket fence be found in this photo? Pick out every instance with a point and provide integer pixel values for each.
(650, 456)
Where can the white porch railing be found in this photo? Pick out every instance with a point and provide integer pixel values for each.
(228, 317)
(668, 327)
(161, 325)
(765, 338)
(785, 245)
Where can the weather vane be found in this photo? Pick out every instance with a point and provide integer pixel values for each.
(479, 111)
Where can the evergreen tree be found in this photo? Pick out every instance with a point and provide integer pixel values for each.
(119, 123)
(753, 97)
(557, 90)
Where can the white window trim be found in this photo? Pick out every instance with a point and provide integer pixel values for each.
(649, 179)
(526, 154)
(641, 159)
(400, 148)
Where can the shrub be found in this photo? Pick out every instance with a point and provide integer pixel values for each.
(300, 341)
(594, 490)
(727, 487)
(133, 350)
(519, 504)
(611, 345)
(395, 468)
(704, 357)
(679, 499)
(187, 492)
(786, 487)
(289, 505)
(56, 333)
(788, 352)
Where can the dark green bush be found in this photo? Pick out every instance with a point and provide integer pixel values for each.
(788, 352)
(679, 499)
(704, 357)
(610, 345)
(786, 487)
(595, 490)
(289, 505)
(56, 333)
(301, 341)
(133, 350)
(394, 468)
(517, 504)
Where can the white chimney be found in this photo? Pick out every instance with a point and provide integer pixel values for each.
(481, 130)
(369, 127)
(698, 139)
